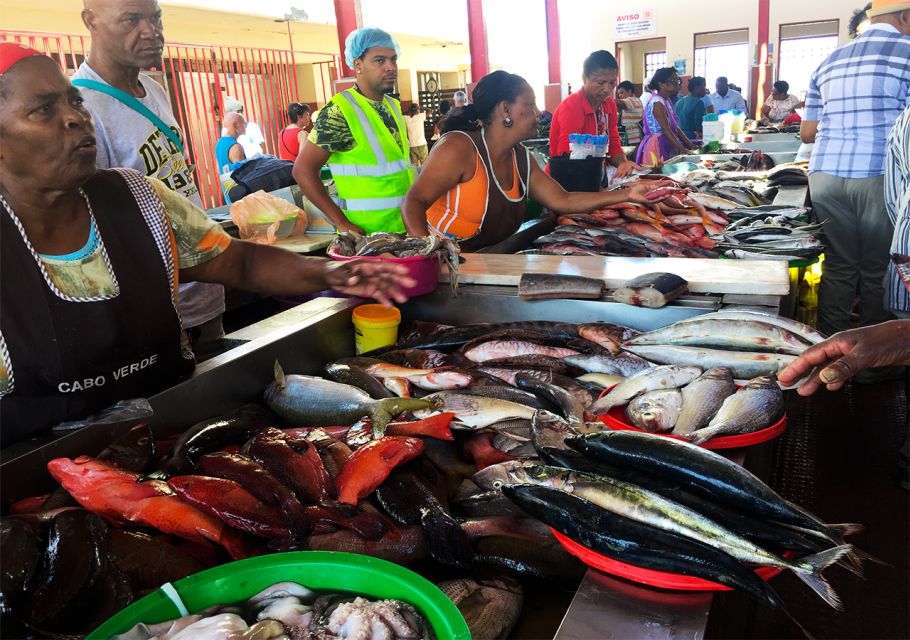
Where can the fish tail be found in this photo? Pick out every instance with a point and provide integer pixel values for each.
(279, 375)
(853, 561)
(809, 571)
(699, 435)
(847, 528)
(387, 408)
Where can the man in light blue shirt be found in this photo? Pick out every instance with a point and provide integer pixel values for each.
(725, 98)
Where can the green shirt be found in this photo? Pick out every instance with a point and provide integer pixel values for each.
(690, 111)
(332, 133)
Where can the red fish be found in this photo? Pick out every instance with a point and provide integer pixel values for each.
(118, 497)
(434, 426)
(34, 504)
(372, 463)
(230, 502)
(295, 462)
(480, 449)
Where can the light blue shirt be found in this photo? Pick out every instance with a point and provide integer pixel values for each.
(733, 100)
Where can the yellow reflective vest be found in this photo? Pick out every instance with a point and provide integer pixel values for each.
(373, 177)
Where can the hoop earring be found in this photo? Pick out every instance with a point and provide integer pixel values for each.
(507, 122)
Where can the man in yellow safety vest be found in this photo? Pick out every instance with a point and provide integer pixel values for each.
(362, 136)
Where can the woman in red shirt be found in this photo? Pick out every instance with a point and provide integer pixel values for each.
(592, 110)
(294, 134)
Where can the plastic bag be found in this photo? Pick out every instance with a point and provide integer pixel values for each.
(262, 217)
(137, 409)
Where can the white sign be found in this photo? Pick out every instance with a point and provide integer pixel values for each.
(641, 23)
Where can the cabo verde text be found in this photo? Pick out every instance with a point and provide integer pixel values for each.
(99, 381)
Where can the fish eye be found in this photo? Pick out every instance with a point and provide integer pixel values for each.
(497, 484)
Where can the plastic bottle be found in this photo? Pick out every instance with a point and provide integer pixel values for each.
(587, 142)
(600, 146)
(576, 152)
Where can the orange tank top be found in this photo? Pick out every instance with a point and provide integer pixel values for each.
(460, 213)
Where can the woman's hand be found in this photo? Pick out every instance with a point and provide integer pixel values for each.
(382, 281)
(626, 168)
(845, 354)
(639, 191)
(350, 227)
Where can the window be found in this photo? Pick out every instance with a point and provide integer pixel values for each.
(653, 61)
(802, 48)
(724, 53)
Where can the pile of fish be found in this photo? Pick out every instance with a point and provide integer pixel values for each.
(696, 405)
(670, 506)
(375, 458)
(290, 611)
(398, 245)
(759, 236)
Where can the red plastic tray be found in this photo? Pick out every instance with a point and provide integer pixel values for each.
(649, 577)
(616, 420)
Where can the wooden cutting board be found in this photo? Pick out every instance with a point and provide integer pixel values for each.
(307, 243)
(759, 277)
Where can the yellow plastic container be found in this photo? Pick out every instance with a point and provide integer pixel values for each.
(375, 326)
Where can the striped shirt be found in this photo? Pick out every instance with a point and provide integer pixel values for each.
(897, 200)
(856, 94)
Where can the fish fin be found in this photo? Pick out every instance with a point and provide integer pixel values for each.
(853, 561)
(279, 375)
(447, 542)
(698, 436)
(159, 474)
(813, 577)
(847, 528)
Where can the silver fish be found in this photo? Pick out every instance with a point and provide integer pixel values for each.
(656, 411)
(622, 365)
(757, 405)
(476, 412)
(666, 377)
(702, 398)
(744, 335)
(744, 365)
(804, 331)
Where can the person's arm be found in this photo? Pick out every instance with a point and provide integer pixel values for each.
(306, 170)
(807, 130)
(843, 355)
(236, 153)
(676, 138)
(256, 267)
(618, 158)
(301, 138)
(446, 166)
(550, 194)
(766, 110)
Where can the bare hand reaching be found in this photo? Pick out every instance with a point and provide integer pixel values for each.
(382, 281)
(843, 355)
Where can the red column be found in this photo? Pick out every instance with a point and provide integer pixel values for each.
(347, 19)
(477, 40)
(554, 65)
(762, 79)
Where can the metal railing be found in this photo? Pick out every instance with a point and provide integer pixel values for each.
(197, 78)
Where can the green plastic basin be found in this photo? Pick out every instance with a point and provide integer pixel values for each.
(322, 570)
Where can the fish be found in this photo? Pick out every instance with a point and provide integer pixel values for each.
(407, 499)
(647, 507)
(416, 358)
(796, 255)
(534, 361)
(549, 430)
(500, 349)
(475, 412)
(652, 290)
(721, 333)
(309, 401)
(624, 364)
(664, 377)
(399, 387)
(713, 202)
(333, 452)
(636, 543)
(757, 405)
(490, 607)
(799, 329)
(702, 397)
(569, 406)
(433, 426)
(579, 390)
(148, 561)
(211, 435)
(372, 463)
(603, 380)
(405, 547)
(295, 462)
(21, 549)
(480, 450)
(356, 377)
(262, 484)
(546, 286)
(509, 394)
(656, 411)
(455, 337)
(550, 562)
(609, 336)
(703, 472)
(429, 379)
(116, 496)
(745, 365)
(230, 502)
(508, 526)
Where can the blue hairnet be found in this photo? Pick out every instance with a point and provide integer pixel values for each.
(359, 40)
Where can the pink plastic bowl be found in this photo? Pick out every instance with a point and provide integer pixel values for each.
(423, 269)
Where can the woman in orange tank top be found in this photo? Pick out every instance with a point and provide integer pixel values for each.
(476, 182)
